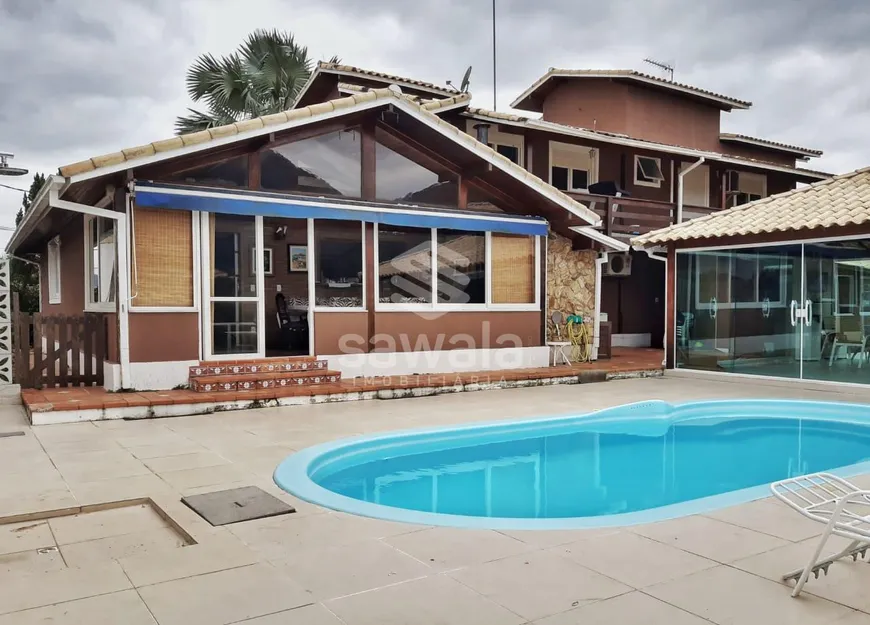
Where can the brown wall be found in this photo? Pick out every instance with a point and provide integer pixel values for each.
(746, 151)
(482, 328)
(72, 271)
(330, 327)
(635, 304)
(164, 337)
(639, 112)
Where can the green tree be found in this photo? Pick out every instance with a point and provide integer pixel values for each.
(261, 77)
(24, 276)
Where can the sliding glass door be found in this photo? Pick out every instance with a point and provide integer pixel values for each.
(735, 310)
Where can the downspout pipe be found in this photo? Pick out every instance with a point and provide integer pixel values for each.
(665, 261)
(680, 189)
(596, 333)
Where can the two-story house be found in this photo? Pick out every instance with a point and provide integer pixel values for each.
(656, 141)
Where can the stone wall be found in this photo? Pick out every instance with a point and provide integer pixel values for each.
(570, 279)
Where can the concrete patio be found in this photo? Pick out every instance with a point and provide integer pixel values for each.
(155, 561)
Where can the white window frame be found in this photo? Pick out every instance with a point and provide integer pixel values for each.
(91, 306)
(53, 262)
(312, 272)
(496, 138)
(434, 305)
(730, 305)
(583, 150)
(656, 183)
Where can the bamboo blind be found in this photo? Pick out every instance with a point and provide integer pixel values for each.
(513, 269)
(164, 257)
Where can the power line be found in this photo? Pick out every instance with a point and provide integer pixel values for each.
(6, 186)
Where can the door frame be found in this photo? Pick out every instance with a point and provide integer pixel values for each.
(207, 299)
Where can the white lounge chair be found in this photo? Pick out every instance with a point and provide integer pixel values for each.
(842, 507)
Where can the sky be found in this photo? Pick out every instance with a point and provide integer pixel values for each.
(79, 78)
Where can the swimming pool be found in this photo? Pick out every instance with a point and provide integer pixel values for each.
(630, 464)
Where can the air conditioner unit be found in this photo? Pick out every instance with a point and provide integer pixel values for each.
(732, 181)
(618, 265)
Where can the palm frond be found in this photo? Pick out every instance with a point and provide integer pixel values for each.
(197, 120)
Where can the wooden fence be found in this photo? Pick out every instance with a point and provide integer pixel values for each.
(59, 350)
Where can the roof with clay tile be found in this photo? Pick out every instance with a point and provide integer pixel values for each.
(132, 154)
(840, 201)
(738, 138)
(339, 68)
(169, 148)
(723, 101)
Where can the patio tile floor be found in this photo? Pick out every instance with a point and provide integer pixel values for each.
(624, 360)
(319, 567)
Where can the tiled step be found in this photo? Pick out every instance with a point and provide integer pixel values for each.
(256, 367)
(263, 381)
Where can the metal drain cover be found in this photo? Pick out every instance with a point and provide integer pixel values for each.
(223, 507)
(10, 434)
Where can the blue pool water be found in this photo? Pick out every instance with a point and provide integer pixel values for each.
(628, 464)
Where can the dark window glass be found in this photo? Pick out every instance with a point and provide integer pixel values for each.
(404, 265)
(231, 173)
(509, 151)
(559, 177)
(400, 179)
(579, 178)
(338, 263)
(743, 278)
(324, 165)
(461, 267)
(770, 278)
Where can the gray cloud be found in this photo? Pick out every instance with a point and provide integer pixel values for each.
(83, 77)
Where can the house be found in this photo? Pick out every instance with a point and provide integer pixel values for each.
(630, 131)
(778, 287)
(364, 229)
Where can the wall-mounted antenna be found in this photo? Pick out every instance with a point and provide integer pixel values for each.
(666, 67)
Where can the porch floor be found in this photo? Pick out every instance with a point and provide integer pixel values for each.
(624, 363)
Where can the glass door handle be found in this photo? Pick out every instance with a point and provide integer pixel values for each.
(714, 308)
(808, 312)
(793, 312)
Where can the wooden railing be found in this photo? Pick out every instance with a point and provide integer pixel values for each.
(59, 350)
(631, 216)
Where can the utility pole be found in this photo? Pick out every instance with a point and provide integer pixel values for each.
(494, 104)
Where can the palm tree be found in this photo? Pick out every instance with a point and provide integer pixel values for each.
(262, 76)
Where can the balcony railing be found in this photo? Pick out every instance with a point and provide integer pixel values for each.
(631, 217)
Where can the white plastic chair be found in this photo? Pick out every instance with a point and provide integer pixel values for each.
(842, 507)
(559, 346)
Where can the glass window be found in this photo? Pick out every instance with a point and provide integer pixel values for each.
(404, 265)
(54, 271)
(400, 179)
(511, 152)
(101, 261)
(461, 267)
(230, 173)
(579, 178)
(338, 263)
(847, 293)
(513, 269)
(328, 164)
(233, 238)
(648, 171)
(234, 327)
(559, 177)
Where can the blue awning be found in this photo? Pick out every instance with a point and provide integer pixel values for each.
(243, 202)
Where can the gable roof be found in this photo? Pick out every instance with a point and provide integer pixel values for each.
(525, 100)
(347, 74)
(839, 201)
(728, 137)
(157, 151)
(512, 119)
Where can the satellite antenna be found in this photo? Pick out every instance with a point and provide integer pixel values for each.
(6, 169)
(665, 66)
(466, 81)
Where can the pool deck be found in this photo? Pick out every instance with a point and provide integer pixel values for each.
(318, 567)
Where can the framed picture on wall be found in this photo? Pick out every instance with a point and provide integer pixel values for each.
(267, 261)
(297, 257)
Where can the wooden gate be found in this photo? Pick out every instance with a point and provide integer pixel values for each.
(59, 350)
